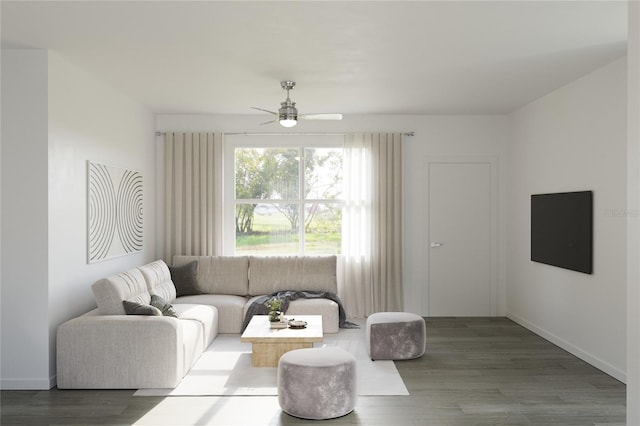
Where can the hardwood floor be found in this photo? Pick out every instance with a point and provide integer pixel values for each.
(477, 371)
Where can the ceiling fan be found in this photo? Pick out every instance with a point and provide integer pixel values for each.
(288, 113)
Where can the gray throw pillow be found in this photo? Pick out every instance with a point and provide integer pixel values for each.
(164, 306)
(132, 308)
(185, 278)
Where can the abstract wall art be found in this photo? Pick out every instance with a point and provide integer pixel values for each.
(114, 208)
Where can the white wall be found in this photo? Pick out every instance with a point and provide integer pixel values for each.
(633, 208)
(24, 310)
(434, 135)
(573, 139)
(78, 118)
(88, 120)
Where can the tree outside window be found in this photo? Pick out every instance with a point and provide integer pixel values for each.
(288, 200)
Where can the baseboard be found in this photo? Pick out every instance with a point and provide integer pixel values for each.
(605, 367)
(28, 384)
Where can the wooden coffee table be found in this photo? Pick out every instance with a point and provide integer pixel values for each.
(268, 345)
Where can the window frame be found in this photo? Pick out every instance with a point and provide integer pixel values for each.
(299, 141)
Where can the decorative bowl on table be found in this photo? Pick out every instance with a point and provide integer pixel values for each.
(297, 324)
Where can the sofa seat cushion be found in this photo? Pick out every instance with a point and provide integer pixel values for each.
(112, 291)
(205, 315)
(230, 309)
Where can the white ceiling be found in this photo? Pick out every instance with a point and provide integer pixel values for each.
(360, 57)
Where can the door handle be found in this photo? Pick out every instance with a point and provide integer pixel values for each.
(436, 244)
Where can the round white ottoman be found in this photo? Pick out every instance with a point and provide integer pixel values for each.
(396, 335)
(317, 383)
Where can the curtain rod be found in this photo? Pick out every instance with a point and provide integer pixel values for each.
(286, 134)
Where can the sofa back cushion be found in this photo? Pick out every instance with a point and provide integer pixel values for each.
(112, 291)
(311, 273)
(220, 274)
(158, 279)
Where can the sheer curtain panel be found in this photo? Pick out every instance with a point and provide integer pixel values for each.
(191, 169)
(371, 270)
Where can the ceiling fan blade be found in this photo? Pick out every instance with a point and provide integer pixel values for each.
(265, 110)
(269, 122)
(321, 117)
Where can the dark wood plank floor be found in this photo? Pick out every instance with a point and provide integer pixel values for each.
(477, 371)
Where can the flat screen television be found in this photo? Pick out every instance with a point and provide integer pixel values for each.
(562, 230)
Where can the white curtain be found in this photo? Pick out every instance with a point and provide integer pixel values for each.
(191, 171)
(371, 276)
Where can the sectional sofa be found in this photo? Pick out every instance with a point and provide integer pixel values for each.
(108, 349)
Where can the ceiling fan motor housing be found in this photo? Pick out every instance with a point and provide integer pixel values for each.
(288, 111)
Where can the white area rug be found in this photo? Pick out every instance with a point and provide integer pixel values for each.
(225, 369)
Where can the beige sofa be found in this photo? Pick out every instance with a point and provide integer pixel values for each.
(107, 349)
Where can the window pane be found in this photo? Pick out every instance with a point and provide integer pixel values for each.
(323, 173)
(322, 231)
(267, 229)
(267, 173)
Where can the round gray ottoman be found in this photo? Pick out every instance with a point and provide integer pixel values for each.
(396, 335)
(317, 383)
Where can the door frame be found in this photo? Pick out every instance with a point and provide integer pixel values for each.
(492, 161)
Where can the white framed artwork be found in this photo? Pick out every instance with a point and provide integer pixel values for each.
(114, 212)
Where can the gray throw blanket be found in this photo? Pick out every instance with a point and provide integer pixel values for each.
(259, 306)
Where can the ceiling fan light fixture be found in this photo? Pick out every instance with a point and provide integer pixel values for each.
(288, 122)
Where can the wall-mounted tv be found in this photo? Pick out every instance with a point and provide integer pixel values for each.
(562, 230)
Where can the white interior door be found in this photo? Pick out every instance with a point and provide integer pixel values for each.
(462, 242)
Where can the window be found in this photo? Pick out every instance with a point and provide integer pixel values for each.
(287, 194)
